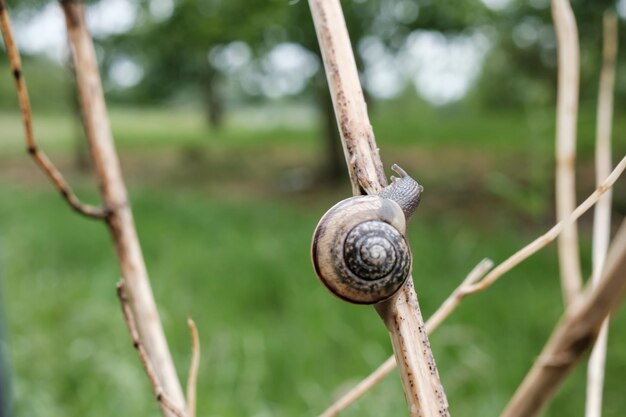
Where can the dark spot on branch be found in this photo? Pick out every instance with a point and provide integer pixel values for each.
(64, 192)
(31, 150)
(17, 74)
(136, 345)
(582, 344)
(73, 12)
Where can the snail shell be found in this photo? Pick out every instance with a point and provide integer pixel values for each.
(359, 248)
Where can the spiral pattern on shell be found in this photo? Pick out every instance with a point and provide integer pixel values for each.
(359, 250)
(374, 249)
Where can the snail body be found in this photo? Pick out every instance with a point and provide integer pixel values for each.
(359, 248)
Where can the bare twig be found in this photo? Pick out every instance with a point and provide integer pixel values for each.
(567, 108)
(602, 213)
(193, 368)
(422, 387)
(453, 301)
(119, 216)
(361, 388)
(359, 145)
(143, 355)
(40, 158)
(574, 335)
(401, 313)
(550, 235)
(446, 308)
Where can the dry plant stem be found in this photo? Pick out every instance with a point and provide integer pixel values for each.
(602, 211)
(453, 301)
(550, 235)
(422, 387)
(359, 145)
(401, 314)
(573, 335)
(41, 159)
(448, 306)
(361, 388)
(193, 368)
(566, 109)
(143, 355)
(119, 216)
(112, 184)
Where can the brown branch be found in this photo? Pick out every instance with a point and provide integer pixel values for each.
(550, 235)
(143, 355)
(401, 314)
(359, 145)
(443, 312)
(574, 335)
(602, 213)
(193, 368)
(567, 108)
(40, 158)
(119, 217)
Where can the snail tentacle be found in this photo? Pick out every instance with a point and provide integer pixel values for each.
(404, 190)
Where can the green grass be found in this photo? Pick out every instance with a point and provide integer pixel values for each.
(224, 245)
(395, 124)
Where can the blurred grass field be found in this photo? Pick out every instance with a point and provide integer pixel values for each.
(226, 231)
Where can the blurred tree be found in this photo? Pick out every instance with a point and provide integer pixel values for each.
(184, 48)
(177, 49)
(520, 70)
(173, 44)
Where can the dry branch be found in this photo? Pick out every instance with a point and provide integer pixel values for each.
(567, 108)
(602, 211)
(359, 145)
(446, 308)
(193, 368)
(40, 158)
(574, 334)
(551, 234)
(401, 314)
(161, 397)
(116, 210)
(119, 216)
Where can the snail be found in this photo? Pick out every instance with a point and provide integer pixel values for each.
(359, 249)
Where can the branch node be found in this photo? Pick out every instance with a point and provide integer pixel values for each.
(40, 158)
(129, 318)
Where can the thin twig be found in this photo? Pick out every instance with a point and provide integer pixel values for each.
(550, 235)
(161, 397)
(446, 308)
(574, 334)
(401, 314)
(453, 301)
(566, 109)
(115, 196)
(602, 211)
(40, 158)
(193, 368)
